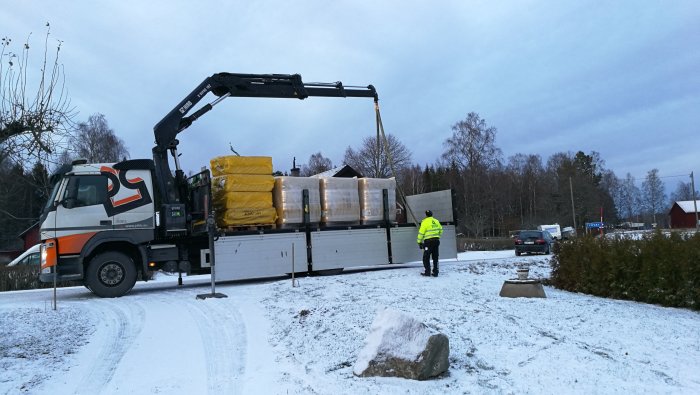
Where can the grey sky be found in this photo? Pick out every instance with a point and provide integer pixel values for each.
(620, 78)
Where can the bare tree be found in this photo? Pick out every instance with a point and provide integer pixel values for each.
(684, 191)
(472, 151)
(374, 158)
(628, 198)
(32, 125)
(653, 193)
(412, 181)
(96, 142)
(317, 164)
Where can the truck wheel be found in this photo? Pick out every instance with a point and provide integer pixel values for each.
(517, 253)
(110, 274)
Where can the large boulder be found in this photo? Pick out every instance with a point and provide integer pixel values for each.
(400, 346)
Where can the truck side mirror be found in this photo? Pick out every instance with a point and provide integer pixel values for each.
(68, 202)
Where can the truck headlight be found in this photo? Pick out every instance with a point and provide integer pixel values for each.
(48, 255)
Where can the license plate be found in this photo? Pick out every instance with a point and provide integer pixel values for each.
(529, 242)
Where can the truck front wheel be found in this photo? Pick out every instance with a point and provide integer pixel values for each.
(110, 274)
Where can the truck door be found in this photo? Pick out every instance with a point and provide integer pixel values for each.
(129, 198)
(82, 206)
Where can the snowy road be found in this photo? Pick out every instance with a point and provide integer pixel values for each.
(272, 338)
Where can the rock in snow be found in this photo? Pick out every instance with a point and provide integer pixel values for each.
(401, 346)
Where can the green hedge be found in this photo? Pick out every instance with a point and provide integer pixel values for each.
(660, 268)
(27, 277)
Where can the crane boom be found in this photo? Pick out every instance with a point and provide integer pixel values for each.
(223, 85)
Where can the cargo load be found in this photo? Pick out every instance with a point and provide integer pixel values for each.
(242, 183)
(340, 201)
(233, 217)
(243, 200)
(372, 199)
(288, 199)
(241, 165)
(242, 191)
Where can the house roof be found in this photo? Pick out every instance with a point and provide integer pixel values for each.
(344, 171)
(687, 205)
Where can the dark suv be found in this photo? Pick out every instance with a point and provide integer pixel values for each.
(529, 241)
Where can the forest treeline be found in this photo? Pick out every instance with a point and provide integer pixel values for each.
(492, 194)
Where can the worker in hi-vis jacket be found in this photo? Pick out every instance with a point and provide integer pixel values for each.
(429, 241)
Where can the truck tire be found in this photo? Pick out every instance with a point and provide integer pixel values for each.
(110, 274)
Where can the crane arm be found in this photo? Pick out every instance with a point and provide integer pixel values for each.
(223, 85)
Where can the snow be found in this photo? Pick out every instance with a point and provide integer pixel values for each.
(394, 334)
(269, 337)
(688, 206)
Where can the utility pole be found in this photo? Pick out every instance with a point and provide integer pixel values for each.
(695, 202)
(573, 210)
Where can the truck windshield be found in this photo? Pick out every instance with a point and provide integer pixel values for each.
(56, 183)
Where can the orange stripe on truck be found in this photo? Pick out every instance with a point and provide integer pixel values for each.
(73, 244)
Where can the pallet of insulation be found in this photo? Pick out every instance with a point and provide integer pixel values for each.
(372, 199)
(242, 191)
(232, 164)
(340, 201)
(288, 199)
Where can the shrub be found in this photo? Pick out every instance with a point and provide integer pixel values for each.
(661, 269)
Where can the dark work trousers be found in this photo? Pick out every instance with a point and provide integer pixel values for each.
(430, 248)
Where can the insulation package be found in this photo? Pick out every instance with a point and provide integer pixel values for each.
(242, 190)
(246, 216)
(243, 200)
(372, 199)
(288, 199)
(242, 183)
(340, 201)
(241, 165)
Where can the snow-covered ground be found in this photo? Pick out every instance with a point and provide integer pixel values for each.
(272, 338)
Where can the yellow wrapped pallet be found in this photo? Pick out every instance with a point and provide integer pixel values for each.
(246, 216)
(242, 183)
(222, 165)
(242, 200)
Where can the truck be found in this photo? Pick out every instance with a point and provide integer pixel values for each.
(106, 224)
(554, 230)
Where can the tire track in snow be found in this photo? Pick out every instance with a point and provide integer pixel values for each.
(224, 338)
(123, 321)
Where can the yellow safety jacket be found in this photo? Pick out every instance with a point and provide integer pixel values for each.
(429, 228)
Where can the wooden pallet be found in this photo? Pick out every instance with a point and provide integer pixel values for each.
(248, 228)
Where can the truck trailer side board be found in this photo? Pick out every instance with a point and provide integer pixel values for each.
(259, 256)
(404, 248)
(339, 249)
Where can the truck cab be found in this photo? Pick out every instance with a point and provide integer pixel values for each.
(94, 208)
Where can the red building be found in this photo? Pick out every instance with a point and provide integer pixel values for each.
(682, 214)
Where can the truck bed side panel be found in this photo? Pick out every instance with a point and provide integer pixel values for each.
(333, 249)
(404, 248)
(259, 256)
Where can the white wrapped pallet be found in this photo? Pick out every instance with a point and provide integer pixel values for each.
(372, 199)
(340, 201)
(288, 200)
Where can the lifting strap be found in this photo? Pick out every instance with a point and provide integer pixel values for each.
(380, 132)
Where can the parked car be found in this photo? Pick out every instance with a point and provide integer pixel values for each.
(529, 241)
(29, 257)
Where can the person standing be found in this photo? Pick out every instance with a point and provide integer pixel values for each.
(429, 241)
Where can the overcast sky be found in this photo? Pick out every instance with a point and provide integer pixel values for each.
(621, 78)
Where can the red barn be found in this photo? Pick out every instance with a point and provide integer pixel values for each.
(30, 237)
(682, 214)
